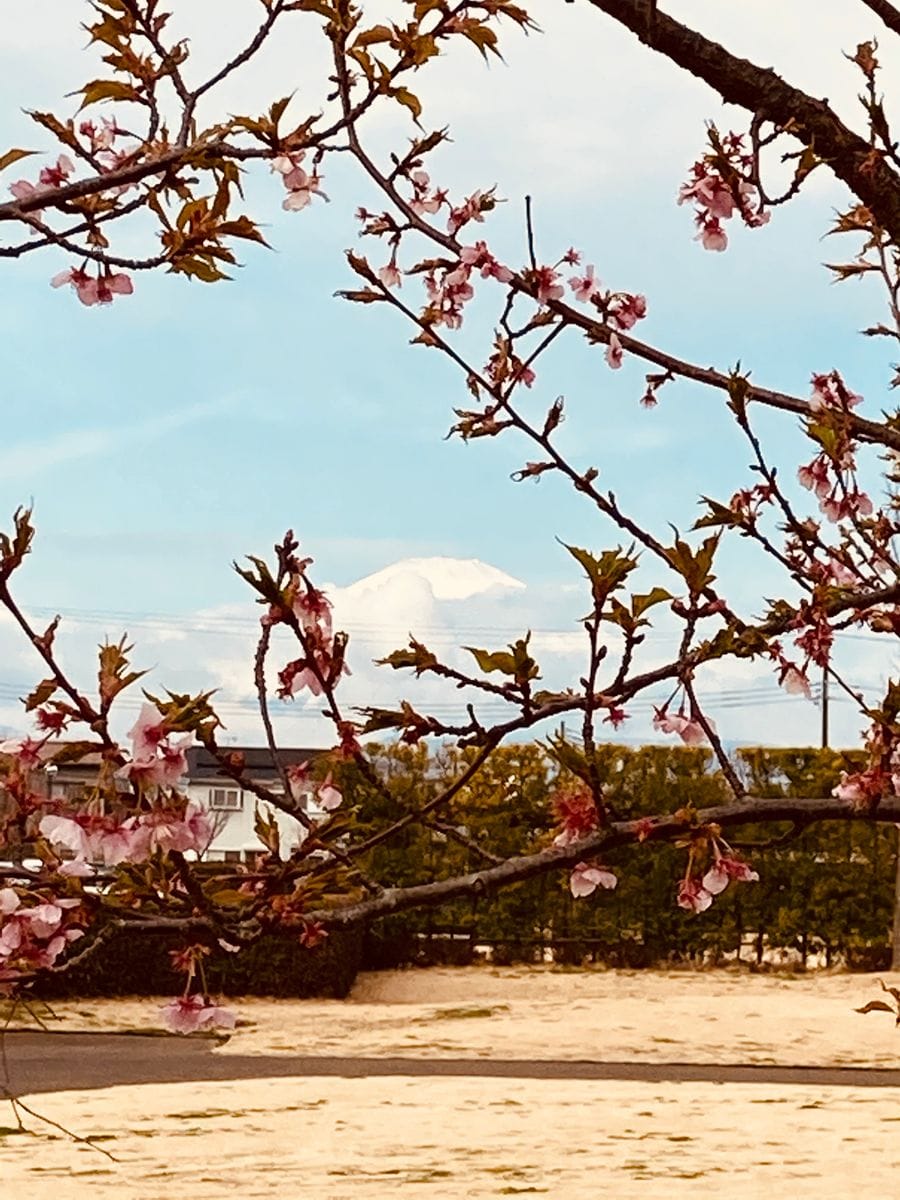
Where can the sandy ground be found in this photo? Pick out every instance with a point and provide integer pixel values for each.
(347, 1139)
(486, 1012)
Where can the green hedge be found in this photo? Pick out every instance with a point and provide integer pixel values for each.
(276, 965)
(830, 889)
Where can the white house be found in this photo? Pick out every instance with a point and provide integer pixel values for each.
(233, 808)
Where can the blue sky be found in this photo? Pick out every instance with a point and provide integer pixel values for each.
(187, 425)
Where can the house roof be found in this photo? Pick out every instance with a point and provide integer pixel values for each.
(257, 761)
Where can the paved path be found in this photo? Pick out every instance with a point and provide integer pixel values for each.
(52, 1062)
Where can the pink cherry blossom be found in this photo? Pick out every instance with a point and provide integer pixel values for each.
(9, 901)
(328, 795)
(313, 934)
(585, 286)
(840, 575)
(45, 919)
(688, 729)
(545, 281)
(109, 286)
(76, 868)
(472, 209)
(693, 896)
(172, 762)
(390, 275)
(794, 681)
(814, 476)
(627, 309)
(91, 290)
(480, 258)
(614, 352)
(726, 870)
(23, 189)
(301, 189)
(147, 732)
(712, 236)
(189, 1014)
(586, 877)
(298, 779)
(576, 811)
(423, 203)
(861, 788)
(830, 392)
(29, 753)
(57, 176)
(66, 832)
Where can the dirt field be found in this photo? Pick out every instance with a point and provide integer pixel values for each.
(351, 1139)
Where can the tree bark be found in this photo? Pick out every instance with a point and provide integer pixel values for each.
(762, 92)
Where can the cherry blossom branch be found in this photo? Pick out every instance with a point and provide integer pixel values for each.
(94, 719)
(747, 810)
(876, 432)
(764, 93)
(712, 736)
(262, 699)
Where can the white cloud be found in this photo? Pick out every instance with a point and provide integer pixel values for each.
(23, 460)
(447, 604)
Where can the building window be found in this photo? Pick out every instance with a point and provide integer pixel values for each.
(225, 800)
(232, 856)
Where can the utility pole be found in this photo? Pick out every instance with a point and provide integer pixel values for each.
(825, 708)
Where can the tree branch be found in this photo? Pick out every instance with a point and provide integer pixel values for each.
(887, 11)
(748, 810)
(765, 94)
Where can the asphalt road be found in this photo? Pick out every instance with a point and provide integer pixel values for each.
(53, 1062)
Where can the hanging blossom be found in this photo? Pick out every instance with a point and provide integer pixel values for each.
(323, 663)
(614, 352)
(863, 789)
(719, 185)
(300, 185)
(586, 877)
(156, 760)
(33, 936)
(688, 729)
(831, 476)
(576, 812)
(101, 288)
(697, 894)
(196, 1013)
(839, 496)
(329, 794)
(449, 288)
(448, 292)
(425, 198)
(390, 274)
